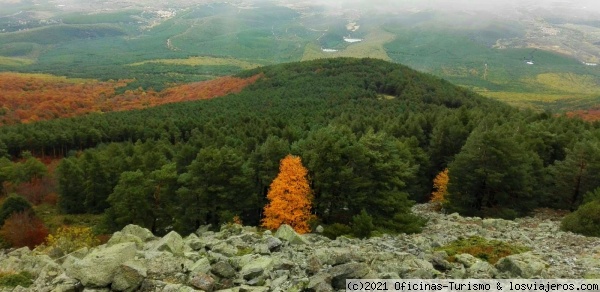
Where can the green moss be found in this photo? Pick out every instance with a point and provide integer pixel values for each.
(22, 279)
(479, 247)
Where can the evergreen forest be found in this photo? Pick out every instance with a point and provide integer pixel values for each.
(373, 135)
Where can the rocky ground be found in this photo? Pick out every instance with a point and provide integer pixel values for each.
(241, 259)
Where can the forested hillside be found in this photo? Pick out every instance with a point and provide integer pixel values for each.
(372, 134)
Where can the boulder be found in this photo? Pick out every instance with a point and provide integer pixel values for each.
(225, 249)
(499, 223)
(201, 266)
(223, 269)
(98, 268)
(129, 276)
(481, 270)
(194, 242)
(162, 265)
(340, 273)
(172, 242)
(202, 281)
(523, 265)
(414, 268)
(273, 243)
(591, 266)
(246, 288)
(335, 256)
(319, 229)
(320, 283)
(120, 237)
(256, 267)
(288, 234)
(142, 233)
(178, 288)
(466, 259)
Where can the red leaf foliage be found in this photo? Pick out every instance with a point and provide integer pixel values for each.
(27, 98)
(23, 229)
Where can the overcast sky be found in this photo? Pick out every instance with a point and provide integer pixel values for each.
(557, 6)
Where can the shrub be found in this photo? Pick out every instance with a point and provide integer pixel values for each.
(362, 225)
(11, 279)
(585, 220)
(23, 229)
(68, 239)
(14, 203)
(479, 247)
(592, 196)
(336, 229)
(408, 223)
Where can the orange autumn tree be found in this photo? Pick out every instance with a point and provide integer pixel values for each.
(290, 197)
(440, 183)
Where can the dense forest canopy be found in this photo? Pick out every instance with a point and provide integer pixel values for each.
(372, 134)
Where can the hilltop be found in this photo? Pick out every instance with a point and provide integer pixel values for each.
(528, 54)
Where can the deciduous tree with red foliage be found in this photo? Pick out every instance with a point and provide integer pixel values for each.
(23, 229)
(290, 197)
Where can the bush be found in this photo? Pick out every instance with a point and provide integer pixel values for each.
(336, 229)
(592, 196)
(479, 247)
(362, 225)
(11, 279)
(23, 229)
(14, 203)
(585, 220)
(407, 223)
(68, 239)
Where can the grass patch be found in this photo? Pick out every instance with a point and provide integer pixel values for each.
(479, 247)
(15, 62)
(203, 61)
(12, 279)
(54, 219)
(372, 47)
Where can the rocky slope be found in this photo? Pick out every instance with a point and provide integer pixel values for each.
(241, 259)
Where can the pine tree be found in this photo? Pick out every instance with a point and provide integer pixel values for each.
(290, 197)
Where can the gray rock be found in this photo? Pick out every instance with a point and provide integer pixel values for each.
(340, 273)
(202, 281)
(129, 276)
(178, 288)
(466, 259)
(246, 288)
(591, 266)
(415, 268)
(201, 266)
(481, 270)
(273, 243)
(320, 283)
(335, 256)
(162, 265)
(523, 265)
(287, 233)
(194, 242)
(319, 229)
(223, 269)
(499, 223)
(120, 237)
(98, 268)
(172, 242)
(140, 232)
(225, 249)
(256, 268)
